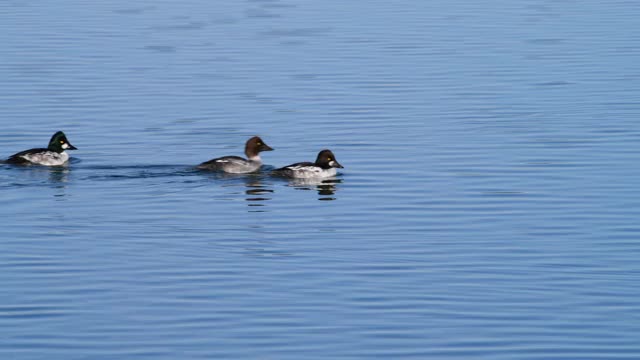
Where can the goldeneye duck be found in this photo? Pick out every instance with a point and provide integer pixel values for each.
(236, 164)
(325, 166)
(53, 155)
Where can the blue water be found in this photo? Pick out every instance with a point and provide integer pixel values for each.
(488, 208)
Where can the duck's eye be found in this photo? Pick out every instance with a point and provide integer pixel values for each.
(61, 141)
(329, 158)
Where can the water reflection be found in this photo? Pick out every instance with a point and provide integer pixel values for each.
(259, 187)
(59, 176)
(55, 177)
(326, 188)
(257, 191)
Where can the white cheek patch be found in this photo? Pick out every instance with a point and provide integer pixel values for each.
(65, 146)
(332, 163)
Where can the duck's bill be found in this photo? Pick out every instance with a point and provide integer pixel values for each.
(336, 164)
(71, 147)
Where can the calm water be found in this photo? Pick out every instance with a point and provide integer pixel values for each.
(488, 208)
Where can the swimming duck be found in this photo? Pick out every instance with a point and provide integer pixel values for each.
(237, 164)
(53, 155)
(325, 166)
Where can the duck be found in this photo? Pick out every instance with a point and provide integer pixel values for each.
(53, 155)
(237, 164)
(325, 166)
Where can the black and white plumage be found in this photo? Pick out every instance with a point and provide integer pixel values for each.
(237, 164)
(53, 155)
(325, 166)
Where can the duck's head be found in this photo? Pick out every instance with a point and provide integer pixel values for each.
(254, 146)
(59, 143)
(326, 160)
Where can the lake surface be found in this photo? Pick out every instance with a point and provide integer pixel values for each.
(488, 208)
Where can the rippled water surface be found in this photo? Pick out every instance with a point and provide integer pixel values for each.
(488, 208)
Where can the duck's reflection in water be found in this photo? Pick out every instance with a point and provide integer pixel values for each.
(55, 178)
(256, 190)
(59, 175)
(259, 187)
(257, 193)
(326, 188)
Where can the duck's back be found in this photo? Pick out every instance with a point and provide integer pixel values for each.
(230, 164)
(305, 170)
(23, 157)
